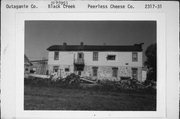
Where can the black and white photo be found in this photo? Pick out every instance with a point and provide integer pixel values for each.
(90, 65)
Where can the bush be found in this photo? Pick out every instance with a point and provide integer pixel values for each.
(128, 85)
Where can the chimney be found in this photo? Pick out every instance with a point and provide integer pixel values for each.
(64, 44)
(81, 43)
(140, 44)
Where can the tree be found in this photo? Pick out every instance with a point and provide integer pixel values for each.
(151, 63)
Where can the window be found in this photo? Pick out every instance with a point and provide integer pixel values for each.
(134, 73)
(95, 56)
(66, 69)
(55, 68)
(115, 71)
(95, 71)
(111, 57)
(56, 55)
(134, 57)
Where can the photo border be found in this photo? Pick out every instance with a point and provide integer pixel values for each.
(161, 64)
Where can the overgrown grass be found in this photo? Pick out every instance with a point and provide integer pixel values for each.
(59, 98)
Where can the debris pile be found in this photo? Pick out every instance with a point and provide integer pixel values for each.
(72, 80)
(130, 84)
(75, 81)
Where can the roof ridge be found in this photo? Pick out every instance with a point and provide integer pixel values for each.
(95, 48)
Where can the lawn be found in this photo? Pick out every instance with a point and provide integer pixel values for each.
(54, 98)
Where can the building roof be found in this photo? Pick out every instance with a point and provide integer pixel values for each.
(26, 61)
(44, 60)
(117, 48)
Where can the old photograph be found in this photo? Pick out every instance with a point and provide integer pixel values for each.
(90, 65)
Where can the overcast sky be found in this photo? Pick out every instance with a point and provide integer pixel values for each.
(39, 35)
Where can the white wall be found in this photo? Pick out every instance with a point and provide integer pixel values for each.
(121, 59)
(67, 58)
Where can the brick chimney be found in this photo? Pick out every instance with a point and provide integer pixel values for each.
(64, 44)
(81, 43)
(139, 45)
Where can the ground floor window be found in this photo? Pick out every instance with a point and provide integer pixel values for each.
(115, 71)
(55, 68)
(95, 69)
(134, 73)
(66, 69)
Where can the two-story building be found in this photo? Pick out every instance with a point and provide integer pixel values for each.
(96, 61)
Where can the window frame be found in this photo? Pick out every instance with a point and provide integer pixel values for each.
(66, 69)
(134, 73)
(115, 72)
(95, 56)
(56, 56)
(54, 70)
(134, 57)
(95, 71)
(111, 56)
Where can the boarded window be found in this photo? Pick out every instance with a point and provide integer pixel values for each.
(66, 69)
(55, 68)
(134, 57)
(115, 71)
(95, 71)
(95, 56)
(111, 57)
(134, 73)
(56, 55)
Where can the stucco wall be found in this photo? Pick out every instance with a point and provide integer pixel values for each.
(123, 62)
(122, 59)
(65, 58)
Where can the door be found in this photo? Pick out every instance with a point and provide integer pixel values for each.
(79, 73)
(80, 57)
(134, 73)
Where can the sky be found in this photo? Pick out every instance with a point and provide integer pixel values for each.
(39, 35)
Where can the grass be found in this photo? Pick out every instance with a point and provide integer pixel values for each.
(54, 98)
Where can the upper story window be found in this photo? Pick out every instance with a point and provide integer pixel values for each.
(56, 55)
(134, 56)
(95, 56)
(111, 57)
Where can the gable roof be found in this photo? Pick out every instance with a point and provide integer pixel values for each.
(39, 61)
(26, 61)
(43, 60)
(127, 48)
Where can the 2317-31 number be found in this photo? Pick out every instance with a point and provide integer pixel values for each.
(153, 6)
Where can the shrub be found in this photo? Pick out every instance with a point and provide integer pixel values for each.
(128, 85)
